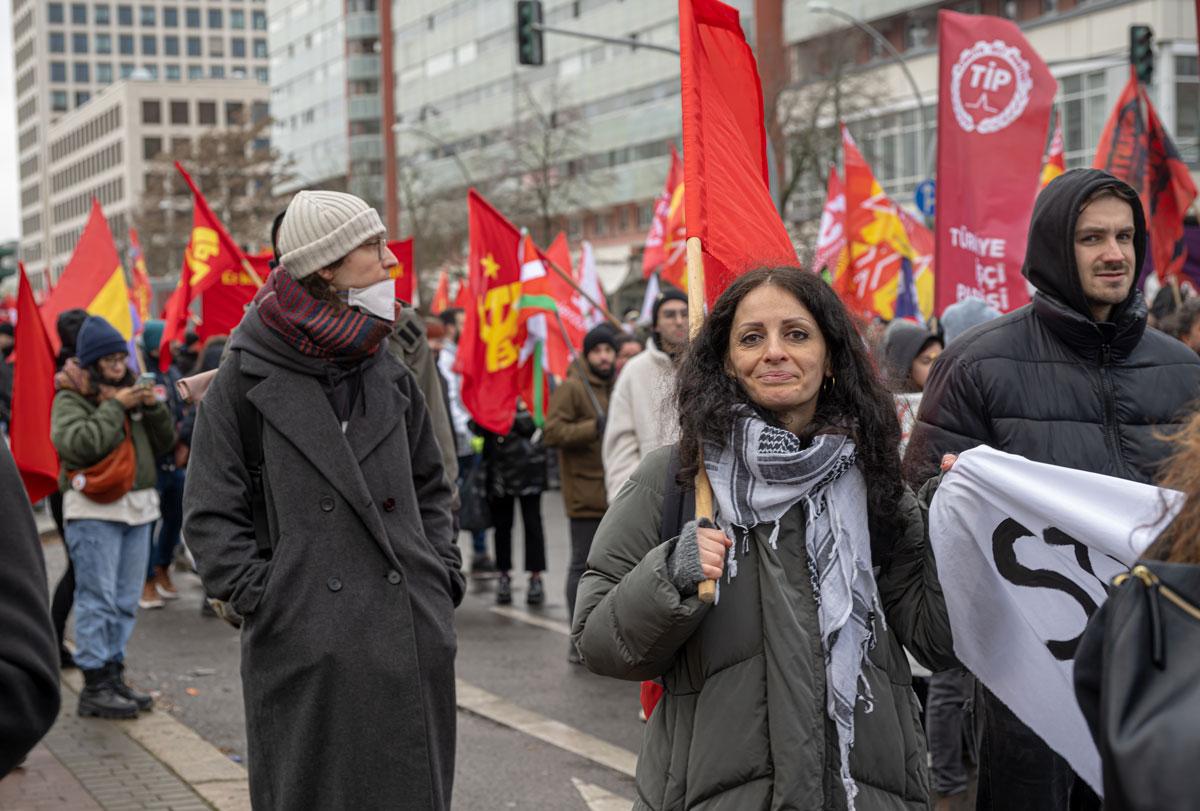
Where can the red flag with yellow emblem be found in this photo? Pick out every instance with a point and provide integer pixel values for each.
(403, 273)
(490, 346)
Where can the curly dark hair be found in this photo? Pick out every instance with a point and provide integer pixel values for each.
(856, 403)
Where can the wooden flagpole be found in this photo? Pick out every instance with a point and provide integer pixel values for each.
(695, 283)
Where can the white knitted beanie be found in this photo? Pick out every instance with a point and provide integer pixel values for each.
(320, 227)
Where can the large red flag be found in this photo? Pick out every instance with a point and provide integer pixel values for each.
(666, 239)
(33, 397)
(489, 348)
(93, 280)
(727, 201)
(1136, 148)
(567, 301)
(995, 95)
(403, 273)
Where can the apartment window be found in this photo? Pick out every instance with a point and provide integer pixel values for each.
(149, 16)
(124, 15)
(82, 97)
(216, 46)
(237, 19)
(54, 13)
(216, 19)
(206, 112)
(79, 43)
(237, 48)
(151, 111)
(234, 111)
(259, 20)
(195, 71)
(171, 46)
(125, 43)
(151, 71)
(193, 17)
(79, 14)
(82, 73)
(170, 17)
(58, 42)
(151, 147)
(100, 14)
(179, 112)
(216, 72)
(258, 111)
(126, 70)
(193, 46)
(173, 74)
(1187, 108)
(104, 73)
(58, 101)
(104, 43)
(260, 49)
(149, 45)
(58, 71)
(263, 75)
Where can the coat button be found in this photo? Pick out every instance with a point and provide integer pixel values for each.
(327, 504)
(393, 577)
(389, 504)
(334, 584)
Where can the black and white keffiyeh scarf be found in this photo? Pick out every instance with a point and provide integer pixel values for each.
(756, 477)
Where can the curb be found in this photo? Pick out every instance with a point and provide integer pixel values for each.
(222, 783)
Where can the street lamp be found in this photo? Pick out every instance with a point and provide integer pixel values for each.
(819, 7)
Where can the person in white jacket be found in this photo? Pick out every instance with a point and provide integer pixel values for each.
(641, 411)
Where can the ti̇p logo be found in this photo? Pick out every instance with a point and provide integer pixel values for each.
(989, 86)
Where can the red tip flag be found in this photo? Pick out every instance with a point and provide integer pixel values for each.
(489, 349)
(1137, 149)
(728, 200)
(403, 273)
(33, 397)
(994, 100)
(667, 238)
(93, 280)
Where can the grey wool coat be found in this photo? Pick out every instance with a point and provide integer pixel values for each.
(743, 724)
(348, 643)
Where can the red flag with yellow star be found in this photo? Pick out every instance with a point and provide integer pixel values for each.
(403, 273)
(490, 347)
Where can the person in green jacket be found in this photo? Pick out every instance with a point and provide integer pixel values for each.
(109, 540)
(792, 690)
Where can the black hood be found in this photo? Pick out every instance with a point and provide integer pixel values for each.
(1050, 253)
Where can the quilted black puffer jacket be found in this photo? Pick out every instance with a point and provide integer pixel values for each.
(1047, 381)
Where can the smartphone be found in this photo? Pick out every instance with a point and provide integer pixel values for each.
(146, 379)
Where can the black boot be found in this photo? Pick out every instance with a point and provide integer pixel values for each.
(101, 700)
(536, 595)
(116, 671)
(504, 590)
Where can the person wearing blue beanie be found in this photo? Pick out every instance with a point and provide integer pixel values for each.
(98, 339)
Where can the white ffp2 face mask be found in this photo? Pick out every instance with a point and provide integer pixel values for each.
(378, 300)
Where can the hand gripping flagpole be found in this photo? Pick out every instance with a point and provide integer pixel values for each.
(695, 284)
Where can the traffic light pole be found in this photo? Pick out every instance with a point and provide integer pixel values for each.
(629, 41)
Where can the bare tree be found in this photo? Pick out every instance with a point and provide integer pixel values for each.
(436, 219)
(235, 169)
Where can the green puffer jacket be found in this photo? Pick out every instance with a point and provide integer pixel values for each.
(743, 724)
(84, 433)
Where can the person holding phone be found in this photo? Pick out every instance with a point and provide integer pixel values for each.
(108, 431)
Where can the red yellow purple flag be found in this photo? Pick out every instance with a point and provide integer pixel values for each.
(1054, 164)
(140, 291)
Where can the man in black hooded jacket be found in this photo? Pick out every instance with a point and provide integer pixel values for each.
(1075, 379)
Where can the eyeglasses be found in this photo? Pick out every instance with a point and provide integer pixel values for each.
(381, 248)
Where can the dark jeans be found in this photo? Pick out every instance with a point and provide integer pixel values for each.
(531, 519)
(949, 724)
(478, 539)
(64, 592)
(1019, 772)
(166, 534)
(582, 532)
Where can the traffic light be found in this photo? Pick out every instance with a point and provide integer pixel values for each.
(1141, 52)
(529, 38)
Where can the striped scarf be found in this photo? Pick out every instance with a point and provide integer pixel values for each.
(760, 473)
(314, 327)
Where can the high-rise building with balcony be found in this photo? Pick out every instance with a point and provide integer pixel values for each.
(66, 53)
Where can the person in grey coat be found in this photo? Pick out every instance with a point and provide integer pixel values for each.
(348, 641)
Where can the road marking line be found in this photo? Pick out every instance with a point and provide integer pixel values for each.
(517, 614)
(555, 733)
(217, 779)
(599, 799)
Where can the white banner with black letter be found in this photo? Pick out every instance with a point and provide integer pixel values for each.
(1024, 554)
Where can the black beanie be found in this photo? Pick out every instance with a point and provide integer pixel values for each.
(667, 295)
(68, 325)
(599, 334)
(97, 339)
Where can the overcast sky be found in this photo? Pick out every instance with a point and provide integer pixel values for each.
(10, 214)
